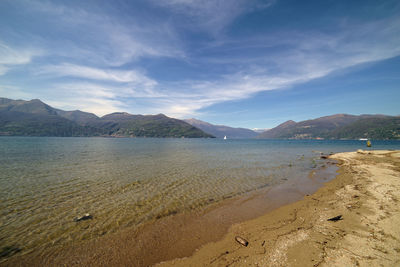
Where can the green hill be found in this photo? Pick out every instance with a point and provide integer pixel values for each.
(35, 118)
(372, 128)
(124, 124)
(26, 124)
(339, 126)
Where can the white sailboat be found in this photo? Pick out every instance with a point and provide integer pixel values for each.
(225, 137)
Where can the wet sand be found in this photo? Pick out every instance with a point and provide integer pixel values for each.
(366, 193)
(177, 235)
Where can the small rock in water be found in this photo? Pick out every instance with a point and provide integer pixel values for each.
(241, 241)
(87, 216)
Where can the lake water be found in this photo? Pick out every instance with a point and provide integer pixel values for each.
(46, 182)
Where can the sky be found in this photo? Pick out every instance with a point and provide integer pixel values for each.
(242, 63)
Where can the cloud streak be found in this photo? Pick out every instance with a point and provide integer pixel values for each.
(99, 37)
(119, 76)
(310, 56)
(211, 16)
(11, 57)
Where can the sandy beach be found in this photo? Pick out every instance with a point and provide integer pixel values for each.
(290, 228)
(366, 194)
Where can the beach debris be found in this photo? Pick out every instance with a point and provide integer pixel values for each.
(85, 217)
(263, 243)
(241, 241)
(336, 218)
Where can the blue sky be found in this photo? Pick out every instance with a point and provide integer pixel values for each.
(243, 63)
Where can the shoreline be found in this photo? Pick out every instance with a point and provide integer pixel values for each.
(365, 193)
(296, 234)
(178, 235)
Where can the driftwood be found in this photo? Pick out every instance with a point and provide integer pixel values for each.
(242, 241)
(336, 218)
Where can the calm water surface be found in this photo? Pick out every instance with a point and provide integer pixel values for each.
(46, 182)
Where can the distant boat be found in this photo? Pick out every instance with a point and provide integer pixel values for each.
(225, 137)
(363, 139)
(368, 143)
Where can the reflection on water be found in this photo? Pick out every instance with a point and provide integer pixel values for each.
(46, 182)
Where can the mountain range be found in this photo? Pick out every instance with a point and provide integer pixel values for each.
(35, 118)
(220, 131)
(339, 126)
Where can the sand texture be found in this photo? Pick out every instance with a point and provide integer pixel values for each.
(366, 193)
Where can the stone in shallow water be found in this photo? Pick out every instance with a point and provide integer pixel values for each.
(87, 216)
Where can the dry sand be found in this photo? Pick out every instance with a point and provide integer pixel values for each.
(366, 193)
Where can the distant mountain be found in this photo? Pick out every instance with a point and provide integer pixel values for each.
(34, 106)
(220, 131)
(124, 124)
(35, 118)
(387, 127)
(77, 116)
(19, 117)
(339, 126)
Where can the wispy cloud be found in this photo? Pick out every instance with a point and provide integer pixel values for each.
(308, 56)
(14, 92)
(98, 106)
(86, 96)
(11, 57)
(120, 76)
(212, 15)
(100, 37)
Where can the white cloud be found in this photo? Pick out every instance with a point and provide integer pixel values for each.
(14, 92)
(3, 70)
(11, 57)
(308, 56)
(98, 106)
(212, 15)
(85, 96)
(107, 39)
(121, 76)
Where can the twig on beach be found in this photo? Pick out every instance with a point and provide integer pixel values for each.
(242, 241)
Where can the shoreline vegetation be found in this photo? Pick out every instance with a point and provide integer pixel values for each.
(294, 230)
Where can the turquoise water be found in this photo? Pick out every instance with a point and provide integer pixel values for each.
(46, 182)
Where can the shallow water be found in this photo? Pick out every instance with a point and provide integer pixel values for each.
(46, 182)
